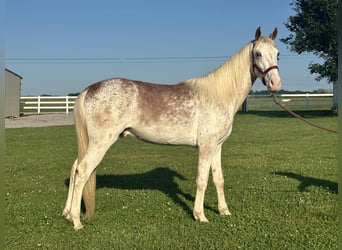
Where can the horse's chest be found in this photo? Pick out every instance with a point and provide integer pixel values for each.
(214, 123)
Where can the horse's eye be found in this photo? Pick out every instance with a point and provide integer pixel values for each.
(278, 56)
(257, 54)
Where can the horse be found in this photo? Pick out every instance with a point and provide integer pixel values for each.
(198, 112)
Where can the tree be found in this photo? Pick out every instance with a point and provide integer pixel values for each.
(314, 30)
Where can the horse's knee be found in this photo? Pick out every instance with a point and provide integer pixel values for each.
(219, 182)
(201, 183)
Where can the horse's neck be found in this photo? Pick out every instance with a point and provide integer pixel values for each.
(230, 83)
(236, 77)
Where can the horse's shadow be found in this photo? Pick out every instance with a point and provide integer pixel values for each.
(161, 179)
(306, 182)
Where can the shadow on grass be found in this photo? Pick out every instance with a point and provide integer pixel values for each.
(161, 179)
(306, 182)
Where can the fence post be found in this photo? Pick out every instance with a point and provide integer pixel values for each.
(67, 104)
(245, 105)
(307, 101)
(38, 109)
(335, 95)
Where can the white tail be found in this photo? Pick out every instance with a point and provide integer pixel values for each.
(82, 141)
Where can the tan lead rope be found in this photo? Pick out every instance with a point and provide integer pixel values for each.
(301, 118)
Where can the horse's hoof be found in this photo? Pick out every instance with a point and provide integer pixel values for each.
(199, 216)
(78, 227)
(225, 212)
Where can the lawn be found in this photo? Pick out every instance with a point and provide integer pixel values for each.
(280, 184)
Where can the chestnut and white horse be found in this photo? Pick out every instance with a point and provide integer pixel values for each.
(198, 112)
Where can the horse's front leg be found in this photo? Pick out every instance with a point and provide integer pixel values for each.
(205, 158)
(219, 183)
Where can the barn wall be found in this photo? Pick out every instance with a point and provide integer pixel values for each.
(12, 94)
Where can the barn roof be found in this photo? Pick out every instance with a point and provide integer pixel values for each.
(13, 73)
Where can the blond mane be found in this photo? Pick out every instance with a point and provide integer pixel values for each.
(227, 82)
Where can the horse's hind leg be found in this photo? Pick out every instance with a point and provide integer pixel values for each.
(71, 189)
(219, 183)
(82, 172)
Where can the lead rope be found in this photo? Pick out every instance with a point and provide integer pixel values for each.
(301, 118)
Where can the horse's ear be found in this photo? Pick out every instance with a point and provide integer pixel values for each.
(257, 33)
(274, 33)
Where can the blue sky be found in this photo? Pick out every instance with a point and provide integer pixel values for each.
(159, 41)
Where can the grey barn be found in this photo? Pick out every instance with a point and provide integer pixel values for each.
(12, 93)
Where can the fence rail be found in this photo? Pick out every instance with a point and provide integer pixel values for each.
(65, 104)
(47, 104)
(294, 101)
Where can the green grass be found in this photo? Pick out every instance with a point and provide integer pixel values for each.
(281, 187)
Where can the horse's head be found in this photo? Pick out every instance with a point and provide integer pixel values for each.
(264, 60)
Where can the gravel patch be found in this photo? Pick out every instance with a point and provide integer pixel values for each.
(40, 120)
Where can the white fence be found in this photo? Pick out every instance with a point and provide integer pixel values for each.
(293, 101)
(65, 104)
(47, 104)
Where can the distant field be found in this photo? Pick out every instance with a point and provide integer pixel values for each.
(280, 183)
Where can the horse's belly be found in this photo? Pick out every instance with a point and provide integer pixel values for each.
(164, 135)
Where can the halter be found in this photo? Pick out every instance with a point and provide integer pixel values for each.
(262, 72)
